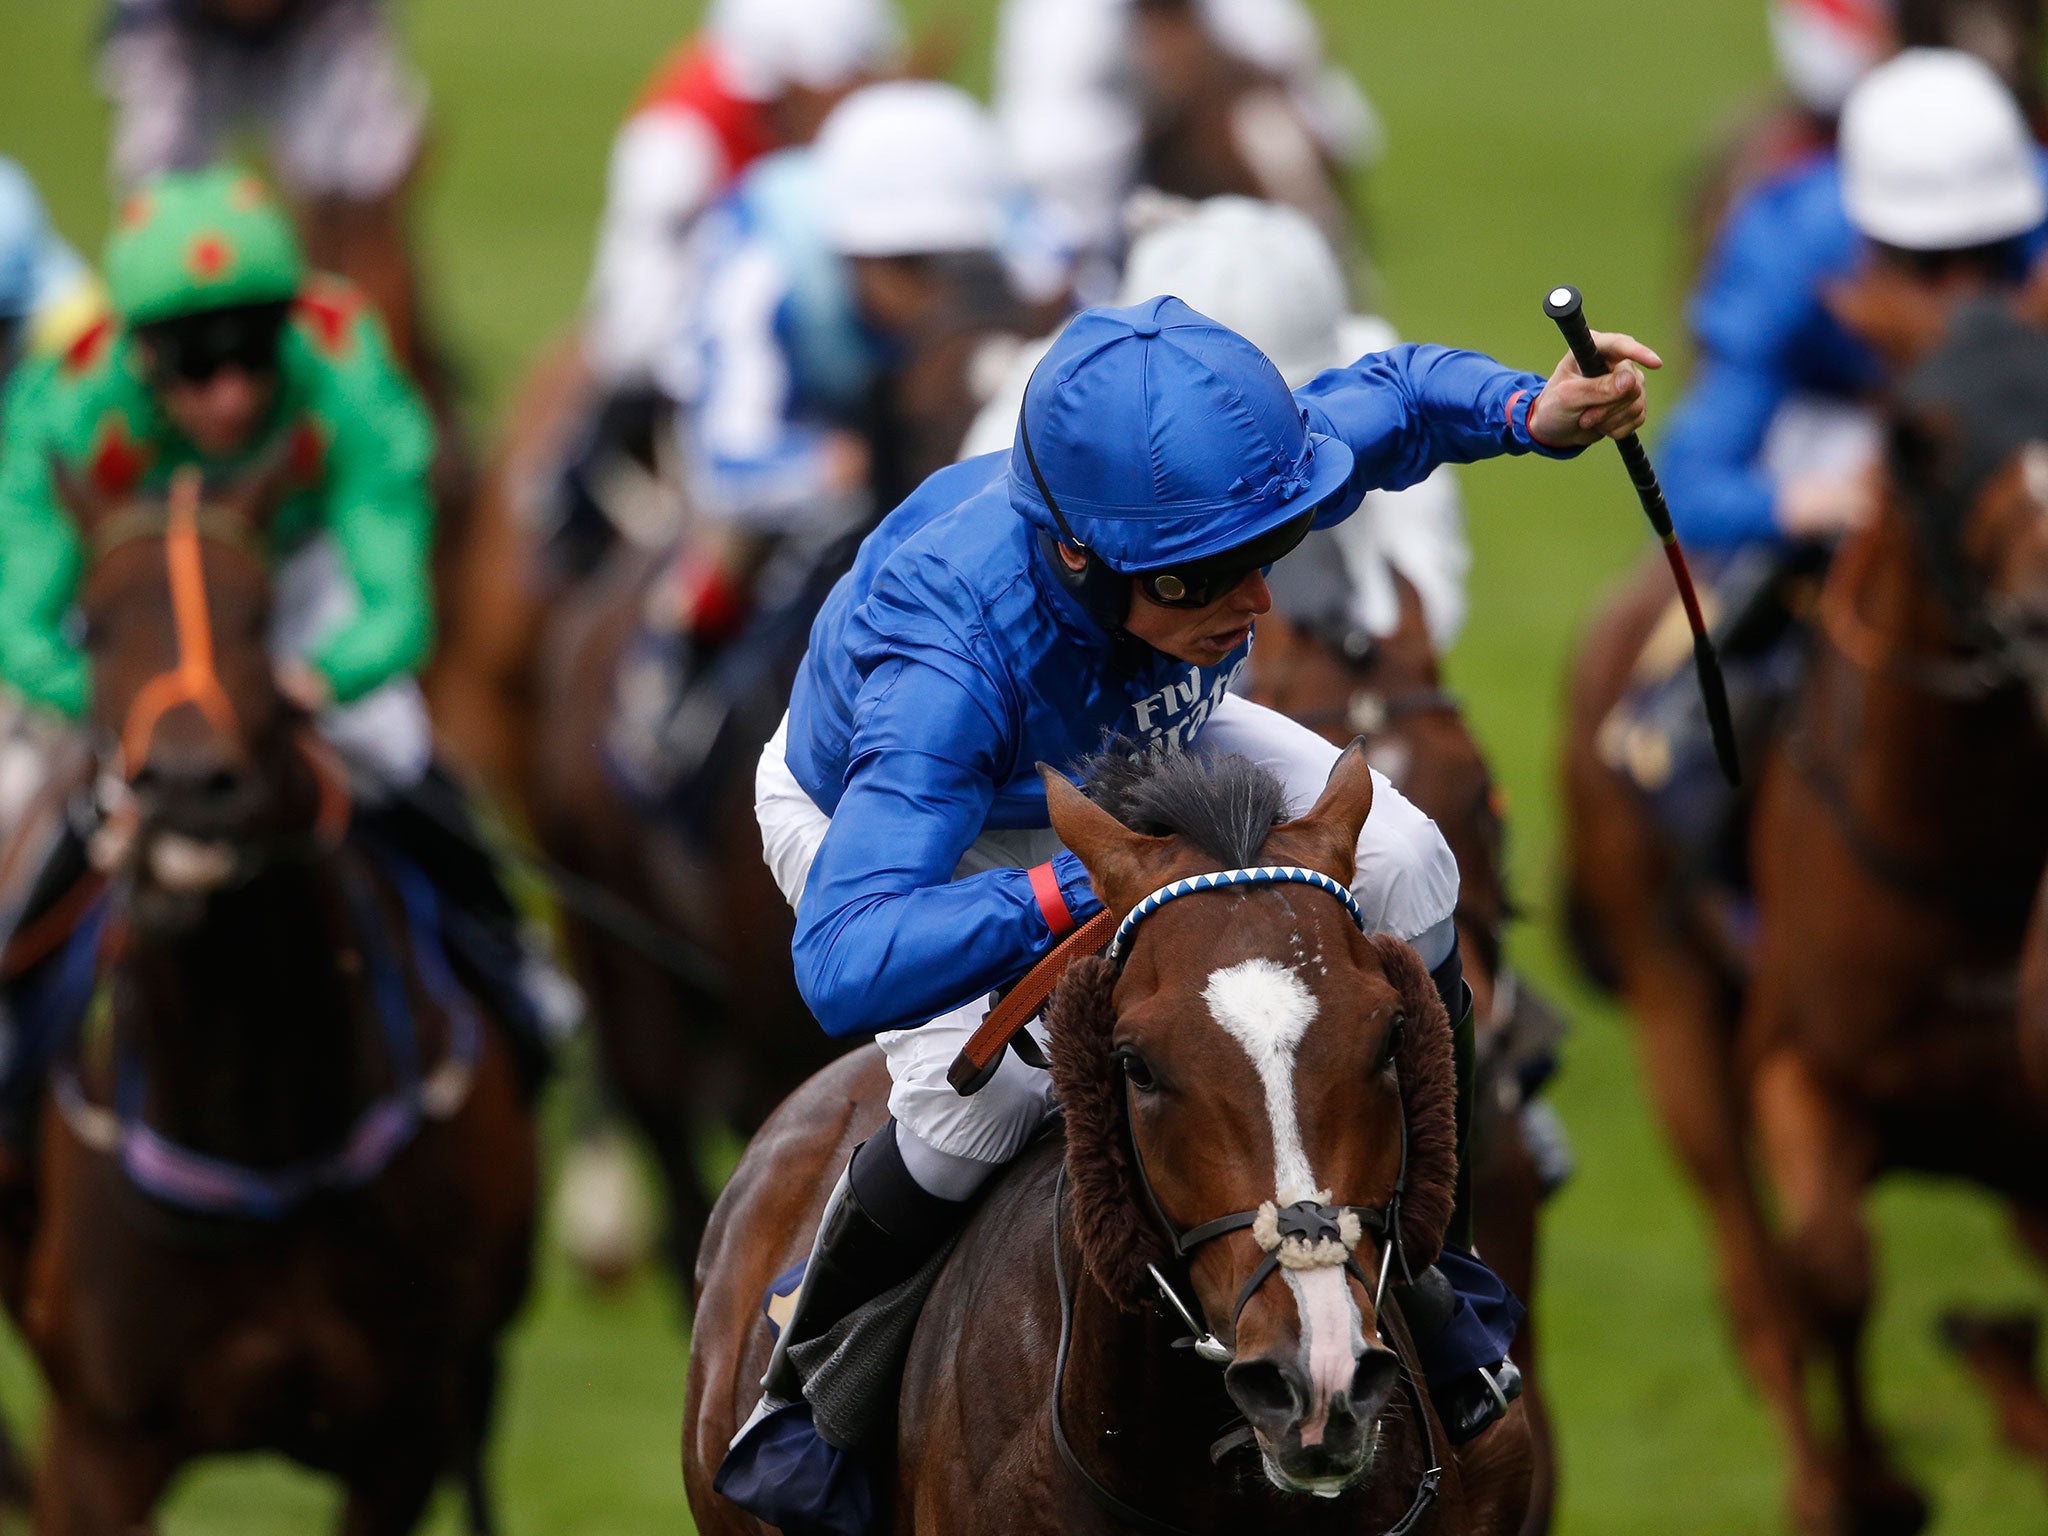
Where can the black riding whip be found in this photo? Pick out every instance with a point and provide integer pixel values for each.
(1565, 306)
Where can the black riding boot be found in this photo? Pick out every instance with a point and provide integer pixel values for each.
(879, 1228)
(433, 826)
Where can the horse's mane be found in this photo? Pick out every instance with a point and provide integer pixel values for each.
(1227, 809)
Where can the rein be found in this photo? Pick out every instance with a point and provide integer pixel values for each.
(1307, 1234)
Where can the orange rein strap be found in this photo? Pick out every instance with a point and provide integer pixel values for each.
(194, 680)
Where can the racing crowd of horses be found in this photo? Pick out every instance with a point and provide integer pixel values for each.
(1889, 1010)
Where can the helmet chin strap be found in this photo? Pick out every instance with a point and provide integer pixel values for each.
(1102, 590)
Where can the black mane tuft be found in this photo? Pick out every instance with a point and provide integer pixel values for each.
(1225, 806)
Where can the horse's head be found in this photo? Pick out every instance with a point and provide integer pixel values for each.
(199, 746)
(1968, 462)
(1256, 1053)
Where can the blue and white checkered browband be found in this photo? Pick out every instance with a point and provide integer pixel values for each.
(1265, 874)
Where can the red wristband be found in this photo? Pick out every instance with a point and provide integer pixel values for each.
(1052, 906)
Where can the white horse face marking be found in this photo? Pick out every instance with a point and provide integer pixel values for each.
(1267, 1008)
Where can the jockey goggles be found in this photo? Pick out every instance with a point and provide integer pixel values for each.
(192, 349)
(1193, 583)
(1199, 583)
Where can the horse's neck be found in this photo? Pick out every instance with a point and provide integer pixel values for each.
(250, 1035)
(1944, 769)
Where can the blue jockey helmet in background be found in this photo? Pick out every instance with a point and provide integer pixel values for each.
(1165, 439)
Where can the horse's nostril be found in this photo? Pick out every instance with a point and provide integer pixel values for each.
(1373, 1382)
(1266, 1394)
(221, 784)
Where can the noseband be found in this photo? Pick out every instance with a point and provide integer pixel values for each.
(1309, 1234)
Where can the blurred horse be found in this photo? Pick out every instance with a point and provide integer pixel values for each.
(1899, 837)
(1042, 1392)
(284, 1193)
(691, 1054)
(1387, 692)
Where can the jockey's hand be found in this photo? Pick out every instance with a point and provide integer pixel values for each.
(304, 685)
(1574, 411)
(1819, 506)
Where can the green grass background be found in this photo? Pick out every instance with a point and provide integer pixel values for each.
(1530, 143)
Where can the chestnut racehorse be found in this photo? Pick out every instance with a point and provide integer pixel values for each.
(1899, 837)
(284, 1194)
(689, 1054)
(1042, 1392)
(1387, 692)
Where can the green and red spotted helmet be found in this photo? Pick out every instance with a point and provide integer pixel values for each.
(189, 242)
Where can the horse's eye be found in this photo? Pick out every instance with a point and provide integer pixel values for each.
(1397, 1034)
(1136, 1069)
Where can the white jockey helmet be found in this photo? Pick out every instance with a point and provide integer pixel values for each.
(1262, 269)
(1936, 156)
(911, 168)
(767, 46)
(1825, 46)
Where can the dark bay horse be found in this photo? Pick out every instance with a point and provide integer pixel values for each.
(1387, 692)
(719, 1047)
(1043, 1393)
(1899, 837)
(284, 1193)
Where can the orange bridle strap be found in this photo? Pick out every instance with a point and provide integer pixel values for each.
(193, 681)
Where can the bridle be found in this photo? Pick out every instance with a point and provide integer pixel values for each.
(186, 525)
(1310, 1233)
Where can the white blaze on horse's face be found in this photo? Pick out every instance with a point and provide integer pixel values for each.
(1267, 1008)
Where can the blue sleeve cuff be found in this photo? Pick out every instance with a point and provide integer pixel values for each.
(1076, 890)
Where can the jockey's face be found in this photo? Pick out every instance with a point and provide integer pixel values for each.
(1203, 636)
(219, 414)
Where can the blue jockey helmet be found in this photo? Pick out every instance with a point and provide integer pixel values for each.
(1153, 438)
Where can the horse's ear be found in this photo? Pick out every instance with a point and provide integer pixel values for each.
(1899, 319)
(80, 497)
(1120, 862)
(1327, 837)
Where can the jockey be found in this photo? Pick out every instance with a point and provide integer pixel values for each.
(326, 82)
(1938, 181)
(1265, 271)
(1102, 577)
(1936, 184)
(1067, 102)
(815, 269)
(761, 76)
(45, 290)
(221, 348)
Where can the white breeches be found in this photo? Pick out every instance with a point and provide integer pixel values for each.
(384, 737)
